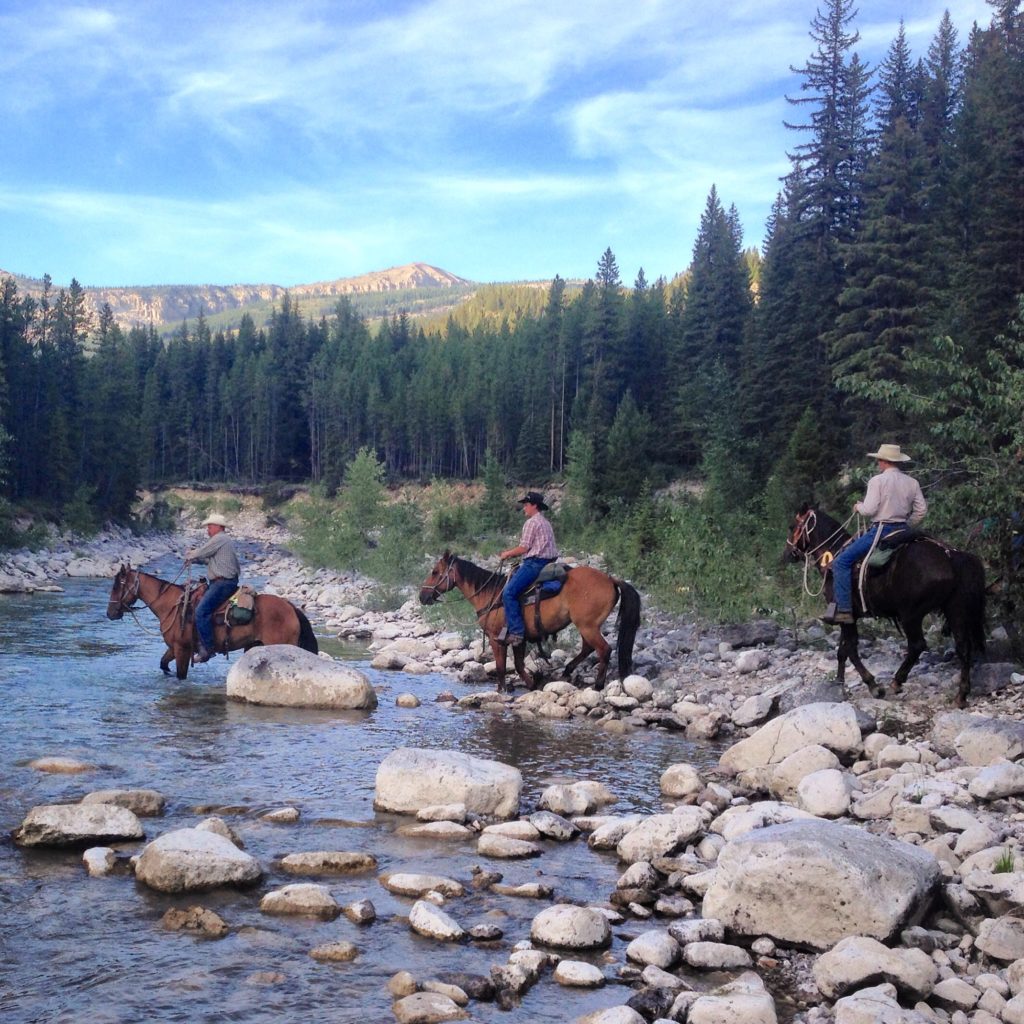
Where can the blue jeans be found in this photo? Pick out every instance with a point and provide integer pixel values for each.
(842, 567)
(216, 594)
(529, 569)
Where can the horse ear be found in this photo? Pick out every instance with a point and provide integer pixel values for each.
(805, 508)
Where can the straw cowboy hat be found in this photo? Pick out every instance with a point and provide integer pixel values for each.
(889, 453)
(215, 519)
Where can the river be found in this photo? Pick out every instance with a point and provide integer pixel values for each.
(75, 948)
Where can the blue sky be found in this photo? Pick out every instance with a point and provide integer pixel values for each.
(147, 142)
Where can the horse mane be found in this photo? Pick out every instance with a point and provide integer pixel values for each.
(825, 521)
(477, 576)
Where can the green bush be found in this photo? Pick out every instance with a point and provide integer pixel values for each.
(79, 515)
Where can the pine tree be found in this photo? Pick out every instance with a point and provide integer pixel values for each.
(988, 182)
(713, 322)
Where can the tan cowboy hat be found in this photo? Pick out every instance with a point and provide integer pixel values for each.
(215, 519)
(889, 453)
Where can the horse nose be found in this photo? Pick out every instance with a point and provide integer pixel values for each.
(427, 596)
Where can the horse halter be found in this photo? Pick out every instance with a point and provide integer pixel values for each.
(121, 602)
(435, 588)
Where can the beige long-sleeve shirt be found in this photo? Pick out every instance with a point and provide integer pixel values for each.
(218, 554)
(893, 497)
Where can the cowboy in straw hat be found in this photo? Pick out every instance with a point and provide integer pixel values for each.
(537, 546)
(222, 568)
(893, 500)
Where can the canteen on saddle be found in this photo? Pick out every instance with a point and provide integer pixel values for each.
(548, 582)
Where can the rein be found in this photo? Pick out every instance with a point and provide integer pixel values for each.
(806, 526)
(179, 606)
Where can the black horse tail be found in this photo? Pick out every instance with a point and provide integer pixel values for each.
(307, 640)
(629, 623)
(968, 602)
(974, 600)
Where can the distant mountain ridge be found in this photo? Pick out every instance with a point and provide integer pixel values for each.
(168, 305)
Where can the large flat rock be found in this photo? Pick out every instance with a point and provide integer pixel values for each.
(833, 726)
(284, 676)
(411, 778)
(812, 883)
(77, 824)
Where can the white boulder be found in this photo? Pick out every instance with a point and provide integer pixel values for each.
(661, 835)
(75, 824)
(833, 726)
(858, 961)
(411, 778)
(281, 675)
(190, 859)
(569, 927)
(816, 882)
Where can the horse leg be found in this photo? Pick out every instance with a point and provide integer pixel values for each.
(596, 642)
(165, 661)
(915, 648)
(585, 651)
(849, 648)
(500, 653)
(182, 659)
(519, 657)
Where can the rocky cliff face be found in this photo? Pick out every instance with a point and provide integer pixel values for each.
(171, 304)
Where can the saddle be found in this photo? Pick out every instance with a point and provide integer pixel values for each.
(238, 610)
(890, 544)
(548, 583)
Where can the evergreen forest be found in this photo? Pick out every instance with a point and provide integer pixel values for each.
(884, 304)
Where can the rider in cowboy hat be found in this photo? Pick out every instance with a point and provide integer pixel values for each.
(537, 546)
(223, 570)
(893, 501)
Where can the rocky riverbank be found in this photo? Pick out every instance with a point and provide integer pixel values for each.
(850, 859)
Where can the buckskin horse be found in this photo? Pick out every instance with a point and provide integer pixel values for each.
(922, 576)
(586, 599)
(276, 621)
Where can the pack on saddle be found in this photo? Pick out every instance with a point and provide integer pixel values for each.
(238, 610)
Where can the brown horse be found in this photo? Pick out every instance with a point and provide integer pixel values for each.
(586, 599)
(276, 621)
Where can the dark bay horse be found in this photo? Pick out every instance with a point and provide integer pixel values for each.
(276, 621)
(586, 599)
(922, 576)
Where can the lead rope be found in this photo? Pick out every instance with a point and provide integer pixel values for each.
(811, 556)
(493, 601)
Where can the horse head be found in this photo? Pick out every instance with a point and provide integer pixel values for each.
(440, 580)
(124, 593)
(798, 539)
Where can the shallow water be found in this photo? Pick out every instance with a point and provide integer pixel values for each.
(75, 948)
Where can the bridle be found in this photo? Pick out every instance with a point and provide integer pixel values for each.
(820, 554)
(125, 602)
(447, 578)
(800, 539)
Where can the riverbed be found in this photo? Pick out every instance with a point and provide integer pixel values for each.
(76, 948)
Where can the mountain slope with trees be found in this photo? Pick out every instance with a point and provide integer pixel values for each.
(886, 308)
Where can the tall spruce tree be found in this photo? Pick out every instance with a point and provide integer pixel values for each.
(988, 182)
(713, 322)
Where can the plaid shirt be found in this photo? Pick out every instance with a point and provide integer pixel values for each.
(538, 538)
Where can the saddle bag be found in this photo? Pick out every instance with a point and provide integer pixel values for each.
(241, 607)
